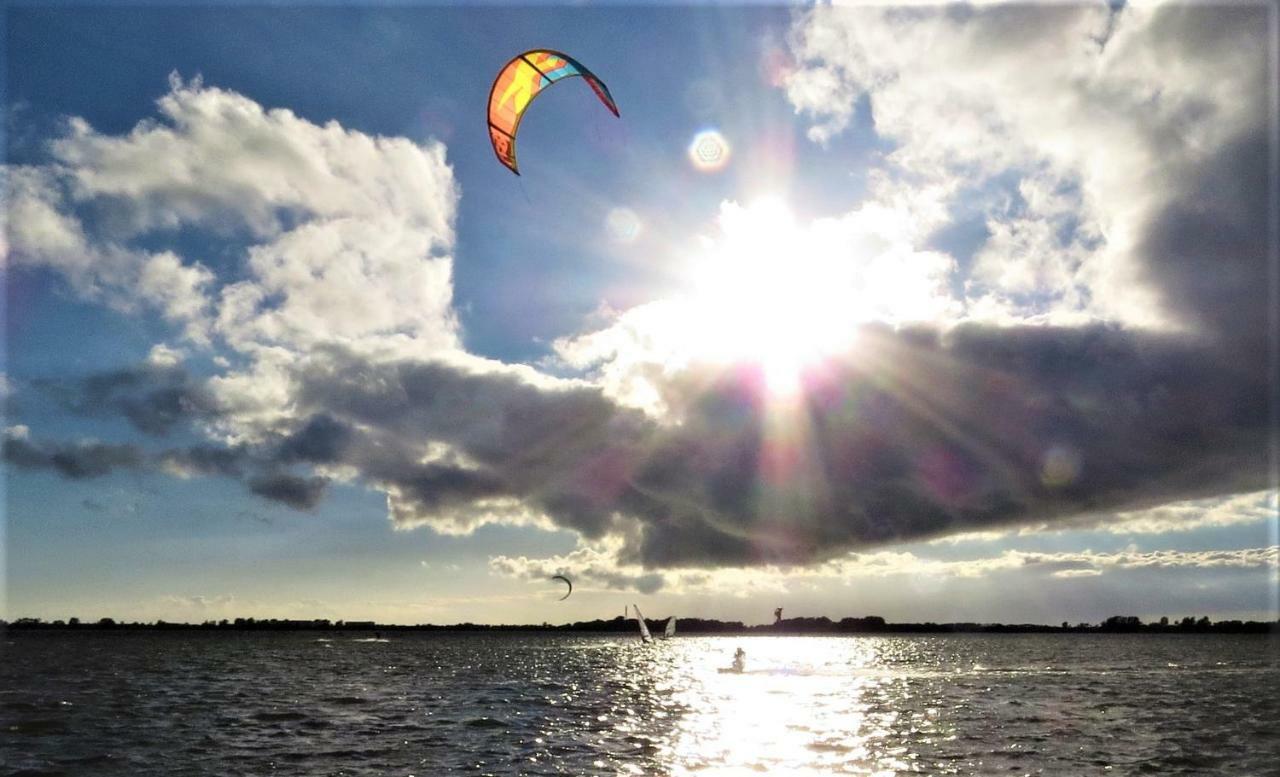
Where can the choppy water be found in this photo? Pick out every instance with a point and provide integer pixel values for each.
(429, 704)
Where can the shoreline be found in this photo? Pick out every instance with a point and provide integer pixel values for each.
(684, 626)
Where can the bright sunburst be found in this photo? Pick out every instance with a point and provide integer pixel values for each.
(764, 295)
(783, 294)
(778, 292)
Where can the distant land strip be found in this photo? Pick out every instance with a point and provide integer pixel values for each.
(871, 624)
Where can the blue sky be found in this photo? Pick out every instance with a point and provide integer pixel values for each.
(951, 335)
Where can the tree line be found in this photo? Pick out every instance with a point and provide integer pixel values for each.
(869, 624)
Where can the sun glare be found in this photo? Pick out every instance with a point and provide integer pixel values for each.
(765, 295)
(783, 294)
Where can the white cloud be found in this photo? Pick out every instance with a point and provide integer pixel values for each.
(42, 231)
(588, 566)
(596, 564)
(1097, 113)
(345, 240)
(1235, 510)
(361, 281)
(1057, 565)
(1178, 516)
(164, 356)
(221, 161)
(406, 512)
(347, 235)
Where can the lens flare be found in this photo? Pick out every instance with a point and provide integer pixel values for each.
(623, 225)
(1061, 467)
(709, 151)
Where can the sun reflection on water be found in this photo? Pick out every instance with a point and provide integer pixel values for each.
(803, 705)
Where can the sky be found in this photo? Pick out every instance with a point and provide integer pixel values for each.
(949, 313)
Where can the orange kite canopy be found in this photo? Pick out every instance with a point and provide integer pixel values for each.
(521, 80)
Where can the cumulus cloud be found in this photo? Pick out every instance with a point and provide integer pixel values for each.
(596, 566)
(1060, 565)
(87, 459)
(1093, 120)
(346, 236)
(202, 461)
(78, 460)
(1178, 516)
(588, 567)
(1190, 515)
(897, 442)
(41, 229)
(301, 493)
(1118, 182)
(155, 396)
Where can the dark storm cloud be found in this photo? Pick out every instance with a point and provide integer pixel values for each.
(154, 398)
(320, 441)
(561, 448)
(433, 486)
(300, 493)
(922, 437)
(205, 460)
(1207, 252)
(77, 461)
(84, 460)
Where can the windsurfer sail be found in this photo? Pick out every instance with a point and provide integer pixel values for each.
(644, 629)
(670, 630)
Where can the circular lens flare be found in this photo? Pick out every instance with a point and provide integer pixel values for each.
(709, 151)
(623, 224)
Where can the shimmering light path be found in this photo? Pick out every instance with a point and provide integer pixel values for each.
(430, 704)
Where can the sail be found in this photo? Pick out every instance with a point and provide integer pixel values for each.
(670, 630)
(644, 629)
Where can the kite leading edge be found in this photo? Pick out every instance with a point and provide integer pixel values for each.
(567, 582)
(521, 80)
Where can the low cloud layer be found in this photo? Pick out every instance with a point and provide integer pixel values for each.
(594, 568)
(913, 436)
(78, 461)
(154, 398)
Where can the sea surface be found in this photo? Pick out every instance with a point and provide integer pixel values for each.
(257, 703)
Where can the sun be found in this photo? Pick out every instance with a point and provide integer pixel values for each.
(771, 293)
(780, 293)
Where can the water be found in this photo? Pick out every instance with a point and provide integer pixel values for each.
(429, 704)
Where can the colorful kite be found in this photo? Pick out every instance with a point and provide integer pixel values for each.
(523, 79)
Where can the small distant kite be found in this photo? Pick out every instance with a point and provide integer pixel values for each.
(567, 582)
(521, 80)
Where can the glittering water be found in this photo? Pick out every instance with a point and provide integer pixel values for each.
(428, 704)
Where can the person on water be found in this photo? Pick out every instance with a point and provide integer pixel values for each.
(739, 660)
